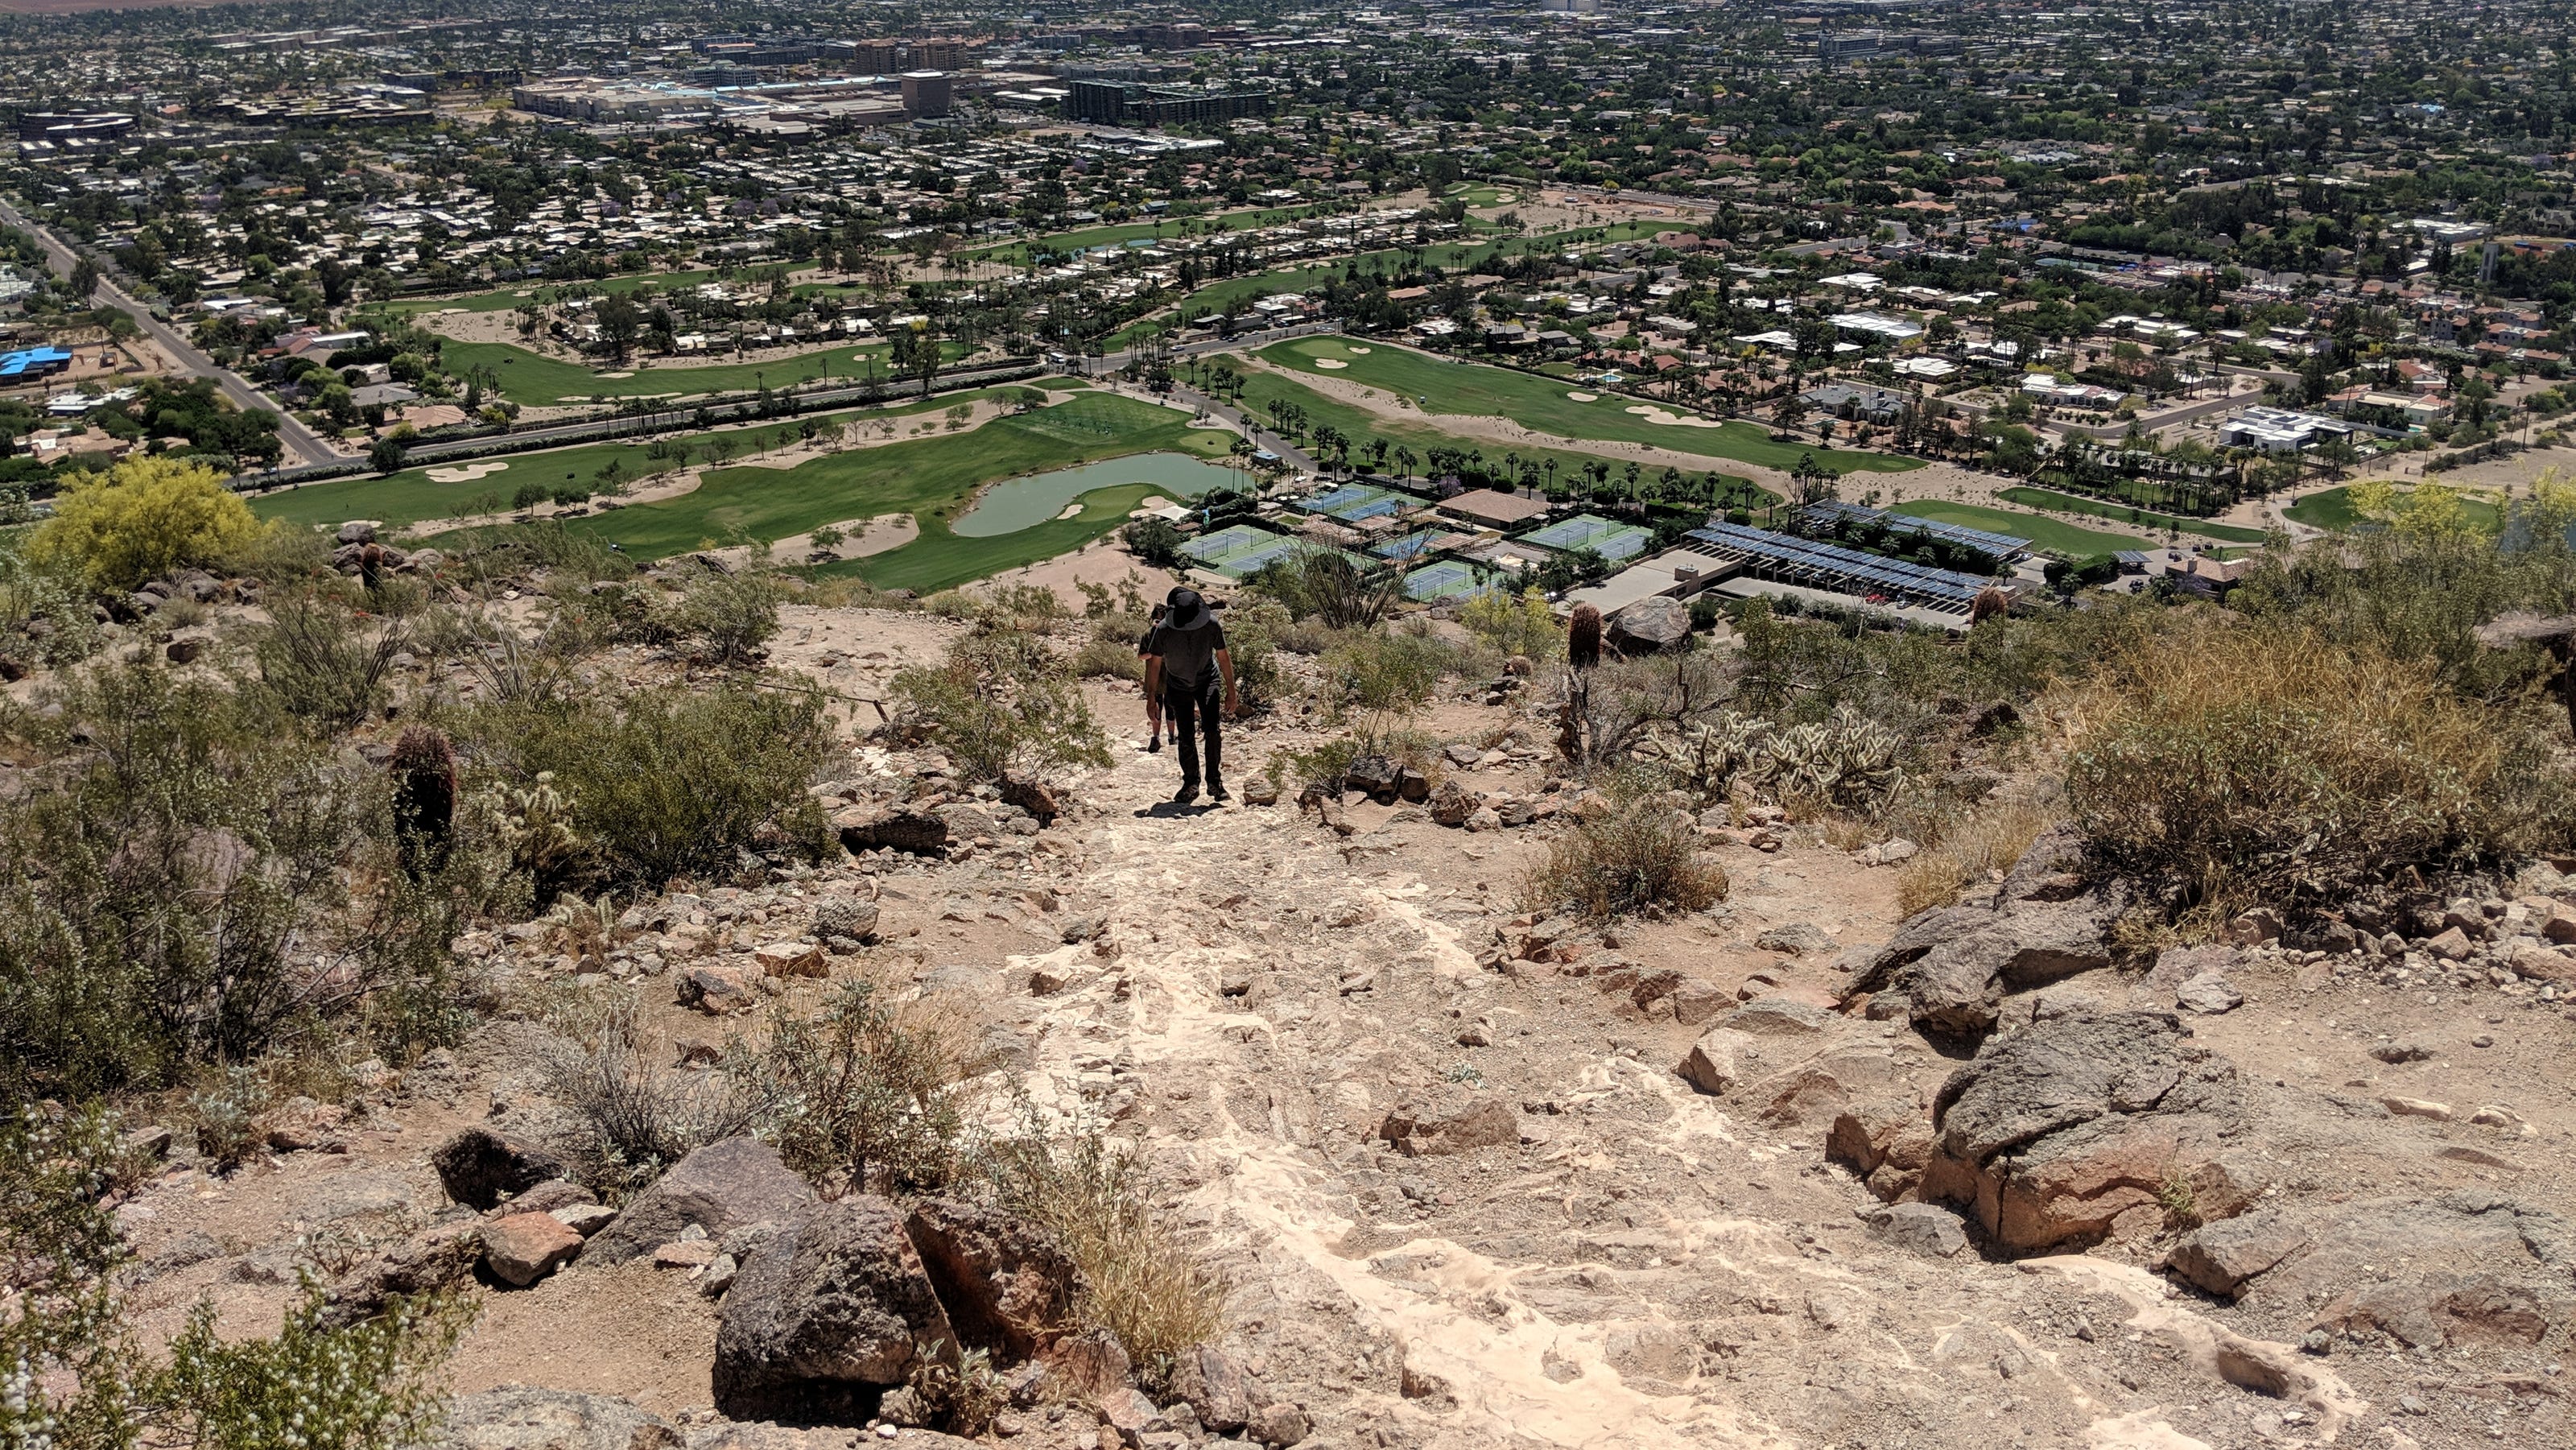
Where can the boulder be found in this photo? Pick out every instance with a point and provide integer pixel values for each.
(891, 828)
(1715, 1063)
(1374, 776)
(478, 1166)
(1451, 805)
(825, 1316)
(2220, 1257)
(1216, 1387)
(715, 991)
(548, 1196)
(1919, 1228)
(1277, 1425)
(584, 1219)
(1450, 1121)
(790, 959)
(1086, 1366)
(1656, 622)
(1040, 800)
(1006, 1282)
(525, 1247)
(356, 531)
(518, 1418)
(2208, 994)
(439, 1257)
(848, 918)
(1956, 988)
(721, 1187)
(2056, 1131)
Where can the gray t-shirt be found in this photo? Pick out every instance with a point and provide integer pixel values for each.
(1189, 655)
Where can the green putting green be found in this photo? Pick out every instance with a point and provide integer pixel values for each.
(2332, 511)
(2045, 532)
(1548, 404)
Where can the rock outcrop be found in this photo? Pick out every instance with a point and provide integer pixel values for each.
(721, 1187)
(826, 1315)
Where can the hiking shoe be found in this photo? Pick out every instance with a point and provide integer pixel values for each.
(1186, 795)
(1218, 792)
(1153, 744)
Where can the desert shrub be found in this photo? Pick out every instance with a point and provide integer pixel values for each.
(2239, 763)
(279, 553)
(1155, 541)
(662, 783)
(863, 1094)
(1252, 631)
(1378, 680)
(633, 1115)
(1844, 763)
(196, 882)
(1332, 588)
(735, 614)
(1002, 704)
(1306, 637)
(1103, 659)
(1515, 625)
(1143, 1278)
(1606, 713)
(316, 661)
(48, 605)
(142, 519)
(1018, 609)
(77, 1380)
(1991, 838)
(1641, 855)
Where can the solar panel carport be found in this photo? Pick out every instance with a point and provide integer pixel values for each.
(1833, 569)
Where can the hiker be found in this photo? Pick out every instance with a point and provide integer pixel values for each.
(1189, 658)
(1153, 686)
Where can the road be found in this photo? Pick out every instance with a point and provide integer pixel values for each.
(300, 441)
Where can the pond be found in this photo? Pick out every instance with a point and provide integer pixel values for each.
(1022, 503)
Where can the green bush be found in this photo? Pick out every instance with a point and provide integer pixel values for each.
(1379, 680)
(1515, 625)
(318, 663)
(179, 890)
(734, 613)
(1001, 704)
(633, 1114)
(2245, 763)
(1252, 631)
(658, 784)
(866, 1095)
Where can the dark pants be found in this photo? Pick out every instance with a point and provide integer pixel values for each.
(1190, 709)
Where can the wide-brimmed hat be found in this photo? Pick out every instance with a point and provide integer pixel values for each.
(1188, 610)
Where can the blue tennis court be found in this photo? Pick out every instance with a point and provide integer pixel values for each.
(1446, 579)
(1607, 537)
(1353, 502)
(1411, 546)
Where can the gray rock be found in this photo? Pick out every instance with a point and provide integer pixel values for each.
(434, 1258)
(1957, 987)
(356, 531)
(2208, 994)
(2072, 1069)
(867, 828)
(1278, 1426)
(2220, 1257)
(824, 1316)
(1920, 1228)
(1656, 622)
(1217, 1388)
(719, 1187)
(1779, 1016)
(518, 1418)
(1797, 938)
(1715, 1063)
(179, 1251)
(478, 1166)
(1450, 1120)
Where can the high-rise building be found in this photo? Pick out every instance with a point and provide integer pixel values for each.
(937, 54)
(1128, 103)
(925, 93)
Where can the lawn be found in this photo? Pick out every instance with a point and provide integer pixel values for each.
(2124, 513)
(2046, 533)
(402, 499)
(934, 479)
(2332, 511)
(508, 297)
(1544, 404)
(534, 381)
(1015, 252)
(1262, 389)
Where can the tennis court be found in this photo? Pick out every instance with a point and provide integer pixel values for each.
(1446, 579)
(1609, 538)
(1353, 502)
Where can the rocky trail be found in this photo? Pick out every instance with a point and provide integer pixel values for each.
(1788, 1172)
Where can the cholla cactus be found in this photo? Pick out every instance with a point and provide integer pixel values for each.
(534, 823)
(1846, 761)
(1710, 755)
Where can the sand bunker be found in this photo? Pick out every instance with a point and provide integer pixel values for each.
(616, 375)
(1358, 352)
(1586, 397)
(1331, 364)
(1669, 420)
(466, 472)
(1072, 510)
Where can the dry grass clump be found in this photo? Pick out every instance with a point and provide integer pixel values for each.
(1992, 839)
(1641, 856)
(633, 1113)
(2240, 764)
(1144, 1280)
